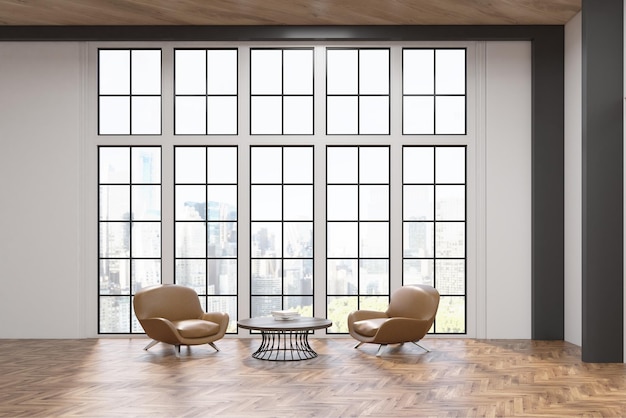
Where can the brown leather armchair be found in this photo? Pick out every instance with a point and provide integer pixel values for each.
(172, 314)
(408, 318)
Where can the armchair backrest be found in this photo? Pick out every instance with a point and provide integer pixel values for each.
(169, 301)
(414, 301)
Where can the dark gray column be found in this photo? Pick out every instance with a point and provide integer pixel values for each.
(548, 188)
(602, 209)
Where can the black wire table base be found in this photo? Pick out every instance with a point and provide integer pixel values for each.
(287, 345)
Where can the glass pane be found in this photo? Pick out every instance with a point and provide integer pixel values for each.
(298, 203)
(190, 71)
(146, 71)
(450, 277)
(298, 277)
(374, 71)
(339, 307)
(222, 239)
(342, 71)
(145, 273)
(418, 165)
(342, 203)
(342, 277)
(374, 115)
(114, 239)
(114, 164)
(226, 304)
(418, 71)
(114, 115)
(266, 115)
(190, 239)
(418, 239)
(222, 115)
(374, 303)
(264, 305)
(146, 240)
(114, 203)
(342, 239)
(418, 203)
(450, 71)
(450, 315)
(342, 165)
(266, 165)
(222, 277)
(374, 203)
(114, 314)
(192, 273)
(450, 115)
(146, 165)
(298, 115)
(266, 70)
(374, 239)
(298, 163)
(450, 163)
(451, 203)
(146, 115)
(450, 239)
(146, 203)
(374, 165)
(222, 202)
(190, 165)
(301, 304)
(298, 67)
(418, 272)
(222, 71)
(191, 115)
(190, 203)
(266, 277)
(342, 115)
(114, 277)
(374, 277)
(114, 71)
(298, 239)
(222, 165)
(266, 203)
(266, 239)
(418, 115)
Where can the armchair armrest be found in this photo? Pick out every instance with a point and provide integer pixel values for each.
(220, 318)
(398, 330)
(160, 329)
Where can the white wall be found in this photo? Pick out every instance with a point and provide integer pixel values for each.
(573, 181)
(41, 253)
(508, 190)
(39, 185)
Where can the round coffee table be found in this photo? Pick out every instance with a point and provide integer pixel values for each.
(284, 340)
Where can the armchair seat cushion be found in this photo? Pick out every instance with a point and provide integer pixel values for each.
(369, 327)
(196, 328)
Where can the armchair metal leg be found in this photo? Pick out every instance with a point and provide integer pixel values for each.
(422, 347)
(152, 344)
(358, 345)
(177, 350)
(213, 345)
(380, 350)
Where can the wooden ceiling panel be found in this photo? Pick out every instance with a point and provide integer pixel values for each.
(286, 12)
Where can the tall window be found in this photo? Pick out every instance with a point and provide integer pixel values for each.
(129, 232)
(206, 225)
(357, 91)
(357, 231)
(281, 91)
(281, 229)
(205, 88)
(129, 92)
(434, 219)
(433, 88)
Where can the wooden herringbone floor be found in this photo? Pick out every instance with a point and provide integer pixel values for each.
(458, 378)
